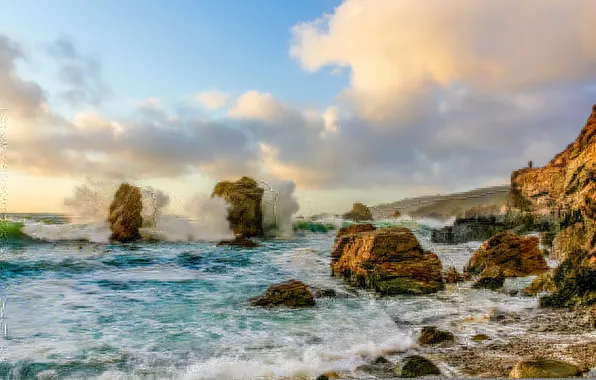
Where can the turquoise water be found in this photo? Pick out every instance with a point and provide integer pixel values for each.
(179, 310)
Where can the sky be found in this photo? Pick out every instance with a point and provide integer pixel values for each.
(353, 100)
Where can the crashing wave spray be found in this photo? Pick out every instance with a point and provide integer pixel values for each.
(278, 206)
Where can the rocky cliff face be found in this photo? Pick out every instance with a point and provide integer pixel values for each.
(245, 198)
(566, 189)
(390, 261)
(125, 214)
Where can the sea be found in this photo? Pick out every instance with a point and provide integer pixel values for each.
(73, 309)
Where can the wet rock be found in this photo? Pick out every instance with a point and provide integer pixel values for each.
(452, 276)
(359, 212)
(431, 335)
(324, 293)
(480, 337)
(417, 366)
(125, 214)
(291, 293)
(389, 261)
(329, 375)
(491, 278)
(516, 256)
(245, 198)
(239, 241)
(380, 368)
(544, 368)
(543, 283)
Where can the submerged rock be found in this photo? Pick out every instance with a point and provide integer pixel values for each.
(417, 366)
(389, 261)
(544, 368)
(239, 241)
(516, 256)
(125, 214)
(491, 278)
(431, 335)
(359, 212)
(480, 338)
(244, 197)
(291, 293)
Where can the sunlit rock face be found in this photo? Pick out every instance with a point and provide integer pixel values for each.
(125, 214)
(566, 189)
(244, 197)
(389, 261)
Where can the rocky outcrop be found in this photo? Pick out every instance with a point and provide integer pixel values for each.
(344, 235)
(566, 190)
(244, 197)
(291, 293)
(452, 276)
(544, 368)
(430, 335)
(516, 256)
(491, 278)
(389, 261)
(125, 214)
(359, 212)
(417, 366)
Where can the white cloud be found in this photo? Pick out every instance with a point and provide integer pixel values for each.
(256, 105)
(213, 99)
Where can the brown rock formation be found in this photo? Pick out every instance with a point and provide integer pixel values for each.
(244, 197)
(566, 189)
(291, 293)
(390, 261)
(515, 256)
(343, 237)
(359, 212)
(544, 368)
(125, 214)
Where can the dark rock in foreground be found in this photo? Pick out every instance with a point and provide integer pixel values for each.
(544, 368)
(431, 335)
(125, 214)
(291, 293)
(389, 261)
(239, 241)
(491, 278)
(417, 366)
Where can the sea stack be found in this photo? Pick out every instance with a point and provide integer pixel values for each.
(125, 214)
(244, 197)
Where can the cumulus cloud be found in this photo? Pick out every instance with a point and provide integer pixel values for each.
(212, 99)
(256, 105)
(400, 51)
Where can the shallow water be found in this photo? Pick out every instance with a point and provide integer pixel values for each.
(180, 310)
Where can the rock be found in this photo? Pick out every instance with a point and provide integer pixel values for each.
(125, 214)
(492, 278)
(322, 293)
(245, 198)
(516, 256)
(329, 375)
(389, 261)
(396, 214)
(291, 293)
(543, 283)
(544, 368)
(381, 360)
(431, 335)
(452, 276)
(359, 212)
(480, 337)
(380, 368)
(239, 241)
(417, 366)
(344, 235)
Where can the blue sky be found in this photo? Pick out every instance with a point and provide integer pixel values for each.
(172, 49)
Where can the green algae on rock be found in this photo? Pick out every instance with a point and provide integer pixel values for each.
(292, 293)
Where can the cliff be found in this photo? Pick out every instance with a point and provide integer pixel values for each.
(565, 189)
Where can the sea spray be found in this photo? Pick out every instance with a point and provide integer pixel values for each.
(278, 206)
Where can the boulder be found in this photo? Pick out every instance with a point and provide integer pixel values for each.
(344, 235)
(430, 335)
(516, 256)
(480, 338)
(291, 293)
(245, 198)
(359, 212)
(389, 261)
(125, 214)
(239, 241)
(417, 366)
(545, 282)
(544, 368)
(491, 278)
(452, 276)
